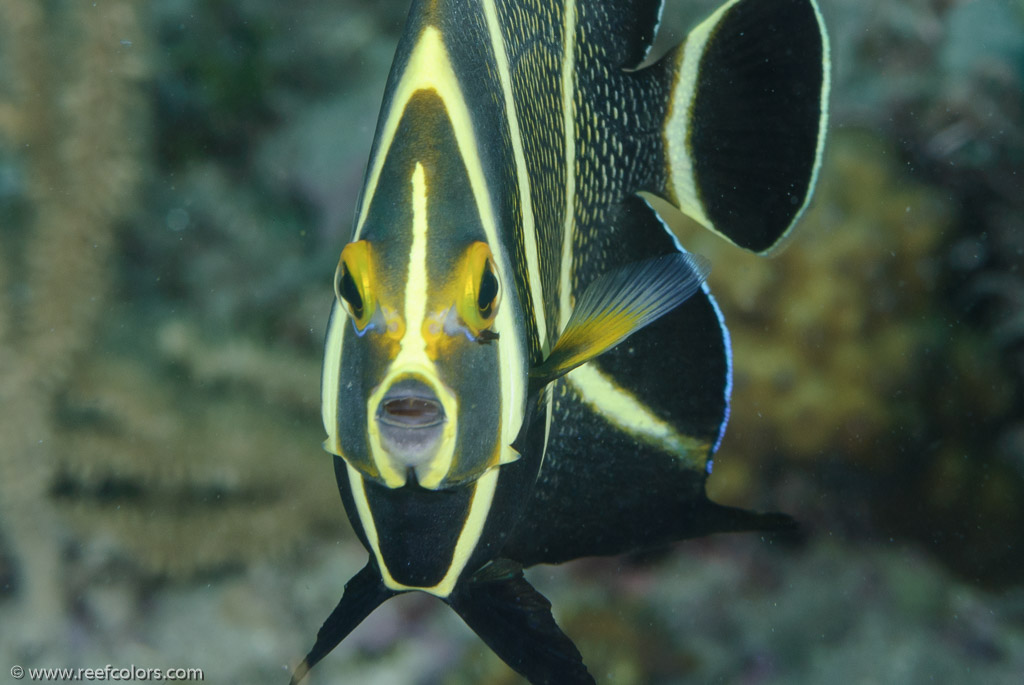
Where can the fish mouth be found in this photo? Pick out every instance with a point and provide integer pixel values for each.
(411, 421)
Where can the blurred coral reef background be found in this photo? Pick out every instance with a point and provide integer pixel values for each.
(176, 182)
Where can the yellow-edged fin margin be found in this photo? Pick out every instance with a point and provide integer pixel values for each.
(429, 67)
(826, 88)
(681, 177)
(483, 494)
(619, 303)
(522, 173)
(677, 129)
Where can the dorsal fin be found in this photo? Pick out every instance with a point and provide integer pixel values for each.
(746, 119)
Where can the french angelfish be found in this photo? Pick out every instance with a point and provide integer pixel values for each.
(484, 412)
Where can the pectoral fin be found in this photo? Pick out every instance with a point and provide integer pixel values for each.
(364, 592)
(618, 304)
(515, 621)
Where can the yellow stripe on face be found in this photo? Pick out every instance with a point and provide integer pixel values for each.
(522, 175)
(413, 360)
(331, 375)
(622, 409)
(413, 345)
(430, 68)
(472, 528)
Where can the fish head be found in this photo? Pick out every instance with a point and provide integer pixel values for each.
(420, 388)
(424, 373)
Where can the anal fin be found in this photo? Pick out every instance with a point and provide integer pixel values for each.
(515, 621)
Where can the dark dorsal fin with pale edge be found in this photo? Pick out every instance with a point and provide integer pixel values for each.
(633, 430)
(746, 120)
(631, 23)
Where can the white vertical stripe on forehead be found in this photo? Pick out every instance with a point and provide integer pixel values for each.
(429, 68)
(522, 173)
(413, 345)
(412, 357)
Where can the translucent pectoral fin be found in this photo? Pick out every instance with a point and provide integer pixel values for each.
(617, 305)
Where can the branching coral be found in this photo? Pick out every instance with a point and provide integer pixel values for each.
(200, 472)
(76, 119)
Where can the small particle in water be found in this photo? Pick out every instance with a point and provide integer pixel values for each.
(177, 219)
(125, 43)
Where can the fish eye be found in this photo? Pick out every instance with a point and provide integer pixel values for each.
(352, 283)
(348, 291)
(487, 294)
(481, 291)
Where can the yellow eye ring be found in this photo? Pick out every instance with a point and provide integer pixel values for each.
(352, 283)
(481, 294)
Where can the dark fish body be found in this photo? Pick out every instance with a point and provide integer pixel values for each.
(522, 365)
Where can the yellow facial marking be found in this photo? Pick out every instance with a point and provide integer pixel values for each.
(477, 304)
(413, 360)
(416, 284)
(430, 68)
(422, 332)
(353, 283)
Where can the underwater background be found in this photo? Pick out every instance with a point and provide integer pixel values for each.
(176, 182)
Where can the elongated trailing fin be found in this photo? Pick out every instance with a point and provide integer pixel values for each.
(364, 592)
(618, 304)
(515, 620)
(746, 119)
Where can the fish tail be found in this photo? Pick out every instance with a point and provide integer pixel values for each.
(745, 119)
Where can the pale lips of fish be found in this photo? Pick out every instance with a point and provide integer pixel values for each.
(411, 422)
